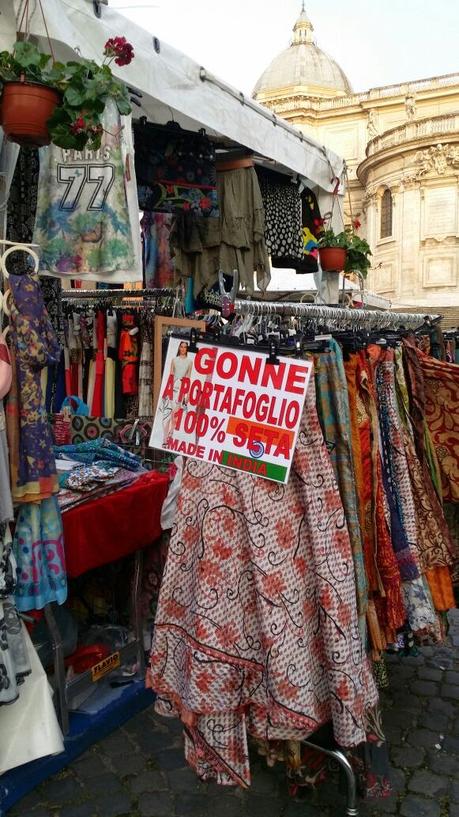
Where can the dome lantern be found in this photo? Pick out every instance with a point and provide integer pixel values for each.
(303, 29)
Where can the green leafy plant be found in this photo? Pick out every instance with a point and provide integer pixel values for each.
(358, 250)
(84, 87)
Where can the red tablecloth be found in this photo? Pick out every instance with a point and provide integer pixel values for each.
(106, 529)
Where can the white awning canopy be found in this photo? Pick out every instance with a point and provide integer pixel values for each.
(172, 86)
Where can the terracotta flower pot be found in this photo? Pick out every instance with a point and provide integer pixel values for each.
(332, 259)
(25, 110)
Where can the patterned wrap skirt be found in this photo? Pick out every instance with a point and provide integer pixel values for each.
(256, 630)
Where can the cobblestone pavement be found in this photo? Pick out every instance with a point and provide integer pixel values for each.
(139, 770)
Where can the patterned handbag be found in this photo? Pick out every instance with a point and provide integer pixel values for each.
(91, 428)
(61, 423)
(61, 427)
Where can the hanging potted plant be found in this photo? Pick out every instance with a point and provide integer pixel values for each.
(342, 252)
(332, 250)
(28, 98)
(44, 101)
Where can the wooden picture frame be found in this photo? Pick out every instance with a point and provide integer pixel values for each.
(161, 324)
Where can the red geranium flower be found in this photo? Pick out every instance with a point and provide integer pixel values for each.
(78, 126)
(119, 49)
(356, 224)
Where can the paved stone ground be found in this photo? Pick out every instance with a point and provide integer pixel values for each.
(139, 770)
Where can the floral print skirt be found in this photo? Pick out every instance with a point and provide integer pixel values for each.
(256, 630)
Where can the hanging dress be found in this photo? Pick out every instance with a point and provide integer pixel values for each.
(256, 630)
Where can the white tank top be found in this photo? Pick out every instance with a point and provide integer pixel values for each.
(87, 222)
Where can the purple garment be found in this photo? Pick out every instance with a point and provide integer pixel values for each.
(36, 346)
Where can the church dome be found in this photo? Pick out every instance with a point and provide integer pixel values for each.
(303, 66)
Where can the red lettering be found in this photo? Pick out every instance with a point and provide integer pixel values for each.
(249, 405)
(272, 418)
(296, 378)
(216, 456)
(246, 464)
(200, 451)
(270, 436)
(169, 390)
(227, 372)
(241, 435)
(184, 388)
(274, 374)
(225, 405)
(218, 389)
(205, 395)
(195, 393)
(292, 414)
(262, 408)
(204, 361)
(254, 437)
(250, 369)
(283, 447)
(238, 399)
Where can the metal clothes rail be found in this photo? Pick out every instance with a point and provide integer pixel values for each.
(115, 294)
(337, 316)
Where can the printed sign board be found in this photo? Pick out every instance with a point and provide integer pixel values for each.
(231, 407)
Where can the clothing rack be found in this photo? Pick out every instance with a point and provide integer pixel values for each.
(338, 316)
(114, 294)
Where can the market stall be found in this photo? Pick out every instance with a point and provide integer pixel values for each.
(285, 461)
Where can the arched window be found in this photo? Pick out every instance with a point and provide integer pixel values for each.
(386, 214)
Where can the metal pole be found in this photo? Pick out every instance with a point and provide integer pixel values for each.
(135, 610)
(351, 804)
(59, 668)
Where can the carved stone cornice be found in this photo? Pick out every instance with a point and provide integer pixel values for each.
(373, 98)
(428, 146)
(414, 131)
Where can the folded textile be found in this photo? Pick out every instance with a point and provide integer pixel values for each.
(101, 449)
(68, 498)
(86, 477)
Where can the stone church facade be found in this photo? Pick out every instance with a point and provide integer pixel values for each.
(401, 145)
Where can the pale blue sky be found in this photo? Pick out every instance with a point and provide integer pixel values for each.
(376, 42)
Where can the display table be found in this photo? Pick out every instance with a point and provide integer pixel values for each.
(97, 533)
(110, 528)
